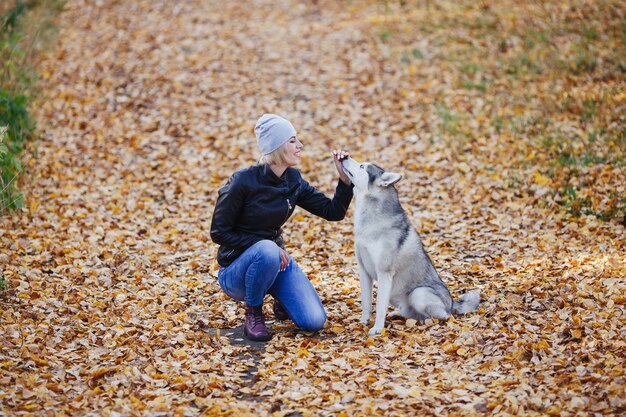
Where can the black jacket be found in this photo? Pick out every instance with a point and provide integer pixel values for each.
(255, 203)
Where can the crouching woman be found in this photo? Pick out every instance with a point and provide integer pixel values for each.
(247, 225)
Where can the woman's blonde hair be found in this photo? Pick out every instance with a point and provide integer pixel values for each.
(276, 157)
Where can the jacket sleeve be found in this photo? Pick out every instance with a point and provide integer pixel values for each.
(229, 204)
(314, 201)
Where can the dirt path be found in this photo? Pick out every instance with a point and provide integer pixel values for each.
(115, 306)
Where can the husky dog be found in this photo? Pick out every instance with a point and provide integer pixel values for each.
(388, 249)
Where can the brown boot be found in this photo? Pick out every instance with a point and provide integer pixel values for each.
(254, 327)
(279, 311)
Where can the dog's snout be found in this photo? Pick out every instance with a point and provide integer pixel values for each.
(345, 163)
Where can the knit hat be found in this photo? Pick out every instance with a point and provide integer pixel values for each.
(272, 131)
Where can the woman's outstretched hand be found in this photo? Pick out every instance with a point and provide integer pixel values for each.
(338, 156)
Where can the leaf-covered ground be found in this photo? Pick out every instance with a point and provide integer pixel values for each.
(506, 119)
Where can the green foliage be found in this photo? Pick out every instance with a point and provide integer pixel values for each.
(25, 30)
(470, 85)
(579, 205)
(416, 53)
(548, 79)
(17, 126)
(449, 120)
(385, 34)
(10, 19)
(4, 285)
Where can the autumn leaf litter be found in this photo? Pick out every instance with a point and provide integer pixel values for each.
(114, 308)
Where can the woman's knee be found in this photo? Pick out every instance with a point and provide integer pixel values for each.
(267, 250)
(313, 321)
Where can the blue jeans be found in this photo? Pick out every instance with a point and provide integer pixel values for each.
(256, 272)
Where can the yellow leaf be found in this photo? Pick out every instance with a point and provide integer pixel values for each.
(98, 372)
(159, 404)
(180, 353)
(39, 361)
(415, 393)
(337, 329)
(553, 411)
(137, 402)
(54, 387)
(542, 180)
(31, 407)
(450, 347)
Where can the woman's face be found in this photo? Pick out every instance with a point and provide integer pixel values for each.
(292, 152)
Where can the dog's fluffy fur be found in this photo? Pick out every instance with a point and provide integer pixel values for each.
(389, 250)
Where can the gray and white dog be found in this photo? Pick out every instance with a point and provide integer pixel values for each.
(388, 249)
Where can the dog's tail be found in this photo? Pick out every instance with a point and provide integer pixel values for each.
(467, 303)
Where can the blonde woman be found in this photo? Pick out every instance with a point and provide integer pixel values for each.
(247, 225)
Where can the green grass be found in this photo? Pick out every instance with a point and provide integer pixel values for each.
(550, 83)
(385, 34)
(17, 127)
(449, 120)
(4, 285)
(415, 53)
(470, 85)
(26, 29)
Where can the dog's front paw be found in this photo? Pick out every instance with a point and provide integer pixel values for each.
(375, 330)
(365, 320)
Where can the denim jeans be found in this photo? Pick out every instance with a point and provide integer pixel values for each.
(256, 273)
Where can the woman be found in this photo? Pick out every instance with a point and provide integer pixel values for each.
(250, 211)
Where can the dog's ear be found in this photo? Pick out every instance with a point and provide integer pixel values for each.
(389, 178)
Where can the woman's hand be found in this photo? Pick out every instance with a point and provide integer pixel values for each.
(338, 156)
(284, 259)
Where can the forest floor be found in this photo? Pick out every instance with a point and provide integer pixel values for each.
(505, 118)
